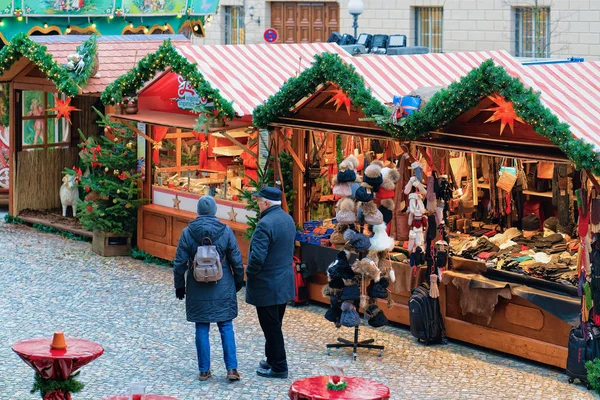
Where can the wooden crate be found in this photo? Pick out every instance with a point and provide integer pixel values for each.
(111, 245)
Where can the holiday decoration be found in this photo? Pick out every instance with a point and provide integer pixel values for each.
(165, 57)
(505, 113)
(63, 108)
(340, 98)
(113, 206)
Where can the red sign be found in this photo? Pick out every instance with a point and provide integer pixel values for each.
(170, 93)
(271, 35)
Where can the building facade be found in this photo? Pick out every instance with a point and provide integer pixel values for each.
(525, 28)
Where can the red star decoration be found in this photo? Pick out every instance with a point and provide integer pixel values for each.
(340, 98)
(505, 113)
(63, 108)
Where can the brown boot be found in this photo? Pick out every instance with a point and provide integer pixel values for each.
(204, 375)
(233, 375)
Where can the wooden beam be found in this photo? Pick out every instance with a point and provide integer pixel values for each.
(594, 181)
(239, 144)
(12, 143)
(290, 150)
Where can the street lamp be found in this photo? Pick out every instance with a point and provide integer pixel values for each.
(355, 8)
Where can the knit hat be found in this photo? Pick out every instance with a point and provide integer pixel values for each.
(349, 317)
(357, 240)
(350, 293)
(340, 268)
(363, 194)
(336, 283)
(377, 317)
(206, 206)
(343, 189)
(373, 176)
(386, 209)
(377, 290)
(531, 225)
(346, 176)
(333, 314)
(371, 214)
(337, 237)
(345, 213)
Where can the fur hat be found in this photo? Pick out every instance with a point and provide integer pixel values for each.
(371, 214)
(377, 290)
(373, 176)
(388, 186)
(345, 211)
(337, 237)
(376, 317)
(336, 283)
(327, 291)
(378, 163)
(380, 240)
(357, 240)
(364, 193)
(340, 268)
(349, 317)
(386, 209)
(351, 162)
(367, 267)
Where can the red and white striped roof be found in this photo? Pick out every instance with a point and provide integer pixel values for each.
(570, 91)
(249, 74)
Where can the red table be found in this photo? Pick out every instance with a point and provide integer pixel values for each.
(315, 388)
(138, 397)
(57, 364)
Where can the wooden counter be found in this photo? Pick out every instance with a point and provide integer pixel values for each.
(159, 229)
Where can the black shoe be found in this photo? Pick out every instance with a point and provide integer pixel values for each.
(264, 365)
(268, 373)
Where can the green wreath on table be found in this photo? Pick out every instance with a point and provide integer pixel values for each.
(70, 385)
(337, 386)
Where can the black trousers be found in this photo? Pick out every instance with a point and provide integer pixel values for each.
(271, 319)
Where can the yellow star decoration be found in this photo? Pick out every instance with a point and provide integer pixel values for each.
(157, 145)
(340, 98)
(176, 202)
(232, 214)
(505, 113)
(204, 145)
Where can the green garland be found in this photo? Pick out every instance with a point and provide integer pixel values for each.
(166, 56)
(326, 68)
(22, 46)
(60, 232)
(9, 219)
(5, 116)
(88, 50)
(444, 106)
(70, 385)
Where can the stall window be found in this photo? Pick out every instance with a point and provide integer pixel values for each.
(234, 25)
(532, 32)
(40, 127)
(429, 28)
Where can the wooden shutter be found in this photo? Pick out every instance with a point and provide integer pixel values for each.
(277, 17)
(304, 23)
(318, 33)
(332, 18)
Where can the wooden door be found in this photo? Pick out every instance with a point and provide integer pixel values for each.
(299, 22)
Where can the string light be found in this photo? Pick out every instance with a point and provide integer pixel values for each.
(93, 25)
(1, 22)
(145, 29)
(45, 25)
(20, 18)
(111, 16)
(68, 30)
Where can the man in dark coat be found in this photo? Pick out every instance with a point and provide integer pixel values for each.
(270, 277)
(212, 301)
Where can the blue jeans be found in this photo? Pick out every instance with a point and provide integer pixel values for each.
(203, 345)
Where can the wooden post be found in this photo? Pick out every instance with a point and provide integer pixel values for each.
(12, 158)
(299, 144)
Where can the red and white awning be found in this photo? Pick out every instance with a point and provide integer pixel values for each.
(248, 74)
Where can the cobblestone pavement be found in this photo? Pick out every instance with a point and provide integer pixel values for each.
(49, 283)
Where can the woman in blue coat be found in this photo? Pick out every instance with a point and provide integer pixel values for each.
(214, 301)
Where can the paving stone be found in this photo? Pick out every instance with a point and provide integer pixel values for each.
(48, 283)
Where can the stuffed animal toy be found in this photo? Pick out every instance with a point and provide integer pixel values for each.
(388, 186)
(357, 240)
(371, 213)
(345, 211)
(387, 209)
(367, 268)
(380, 240)
(337, 237)
(373, 176)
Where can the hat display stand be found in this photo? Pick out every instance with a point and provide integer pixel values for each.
(365, 270)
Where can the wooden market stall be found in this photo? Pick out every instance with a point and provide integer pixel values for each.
(42, 143)
(518, 310)
(187, 159)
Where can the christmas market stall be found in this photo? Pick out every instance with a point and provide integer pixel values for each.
(462, 171)
(194, 120)
(52, 85)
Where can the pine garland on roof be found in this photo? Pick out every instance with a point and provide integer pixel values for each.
(166, 56)
(66, 82)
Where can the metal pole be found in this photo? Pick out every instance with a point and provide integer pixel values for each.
(355, 25)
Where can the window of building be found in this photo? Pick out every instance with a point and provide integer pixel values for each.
(429, 24)
(40, 127)
(234, 25)
(532, 31)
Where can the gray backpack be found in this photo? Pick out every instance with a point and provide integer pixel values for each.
(207, 263)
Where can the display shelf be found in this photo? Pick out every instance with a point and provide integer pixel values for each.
(229, 151)
(483, 185)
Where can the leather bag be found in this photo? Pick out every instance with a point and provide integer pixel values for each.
(545, 170)
(207, 263)
(460, 167)
(508, 178)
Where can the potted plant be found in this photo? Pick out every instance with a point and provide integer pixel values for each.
(130, 104)
(109, 208)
